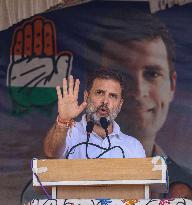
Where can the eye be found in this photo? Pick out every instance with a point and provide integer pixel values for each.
(112, 95)
(151, 74)
(99, 92)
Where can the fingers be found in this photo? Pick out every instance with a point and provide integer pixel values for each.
(34, 37)
(65, 87)
(38, 37)
(59, 94)
(58, 89)
(17, 46)
(71, 84)
(76, 88)
(28, 41)
(69, 88)
(49, 43)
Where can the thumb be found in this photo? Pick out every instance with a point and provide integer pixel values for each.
(82, 106)
(64, 63)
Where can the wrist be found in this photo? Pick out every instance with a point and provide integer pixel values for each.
(60, 119)
(64, 123)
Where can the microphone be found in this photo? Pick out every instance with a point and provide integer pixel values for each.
(104, 123)
(89, 127)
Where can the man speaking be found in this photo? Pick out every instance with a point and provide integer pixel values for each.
(97, 135)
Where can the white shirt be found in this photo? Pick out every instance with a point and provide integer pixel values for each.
(118, 145)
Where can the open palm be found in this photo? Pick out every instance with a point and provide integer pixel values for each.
(68, 106)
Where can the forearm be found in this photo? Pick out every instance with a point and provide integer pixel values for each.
(55, 141)
(68, 109)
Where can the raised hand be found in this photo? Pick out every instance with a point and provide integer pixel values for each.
(68, 106)
(36, 64)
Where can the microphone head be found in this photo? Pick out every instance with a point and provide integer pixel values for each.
(89, 127)
(104, 123)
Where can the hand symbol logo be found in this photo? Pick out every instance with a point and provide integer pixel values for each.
(35, 66)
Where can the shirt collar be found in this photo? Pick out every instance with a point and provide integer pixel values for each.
(116, 128)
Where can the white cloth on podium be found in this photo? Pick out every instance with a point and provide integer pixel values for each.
(112, 202)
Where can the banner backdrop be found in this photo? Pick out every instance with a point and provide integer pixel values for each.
(37, 53)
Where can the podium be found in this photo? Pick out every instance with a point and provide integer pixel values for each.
(114, 178)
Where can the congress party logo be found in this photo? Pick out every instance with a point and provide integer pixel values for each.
(35, 65)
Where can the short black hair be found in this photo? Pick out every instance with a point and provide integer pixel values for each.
(108, 74)
(133, 25)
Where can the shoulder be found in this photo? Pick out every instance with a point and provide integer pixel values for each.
(129, 139)
(158, 151)
(133, 144)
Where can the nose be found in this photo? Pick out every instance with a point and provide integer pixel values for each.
(105, 99)
(139, 88)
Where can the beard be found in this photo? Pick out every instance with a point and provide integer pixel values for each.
(93, 112)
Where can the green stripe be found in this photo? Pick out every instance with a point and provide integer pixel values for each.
(33, 96)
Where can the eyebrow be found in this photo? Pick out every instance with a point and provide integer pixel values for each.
(153, 67)
(99, 90)
(105, 91)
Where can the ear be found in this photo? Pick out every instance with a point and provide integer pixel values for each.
(86, 95)
(121, 103)
(173, 85)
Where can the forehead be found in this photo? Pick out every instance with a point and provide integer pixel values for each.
(109, 85)
(135, 54)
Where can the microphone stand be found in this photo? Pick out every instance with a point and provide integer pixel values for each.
(105, 124)
(89, 129)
